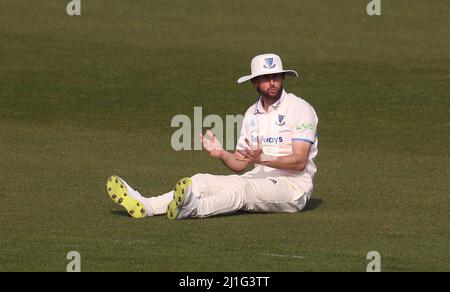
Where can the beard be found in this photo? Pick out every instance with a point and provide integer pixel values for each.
(271, 92)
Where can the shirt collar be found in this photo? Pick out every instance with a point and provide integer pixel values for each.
(260, 109)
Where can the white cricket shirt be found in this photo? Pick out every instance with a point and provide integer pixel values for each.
(289, 119)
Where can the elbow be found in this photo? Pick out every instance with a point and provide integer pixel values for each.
(238, 171)
(300, 166)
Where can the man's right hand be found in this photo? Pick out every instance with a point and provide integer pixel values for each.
(212, 145)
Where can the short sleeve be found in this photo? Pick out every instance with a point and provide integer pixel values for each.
(306, 125)
(247, 124)
(244, 135)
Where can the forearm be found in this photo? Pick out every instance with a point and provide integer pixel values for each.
(230, 161)
(289, 162)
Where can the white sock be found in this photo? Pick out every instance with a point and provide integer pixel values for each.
(159, 204)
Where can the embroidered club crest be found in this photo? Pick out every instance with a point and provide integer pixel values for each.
(269, 64)
(280, 121)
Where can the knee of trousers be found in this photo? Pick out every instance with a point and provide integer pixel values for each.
(199, 179)
(197, 176)
(200, 184)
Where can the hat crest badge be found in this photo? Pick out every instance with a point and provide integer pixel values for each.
(269, 64)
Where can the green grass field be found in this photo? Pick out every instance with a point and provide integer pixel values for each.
(89, 96)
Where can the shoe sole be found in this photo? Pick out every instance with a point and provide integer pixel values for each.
(117, 191)
(179, 195)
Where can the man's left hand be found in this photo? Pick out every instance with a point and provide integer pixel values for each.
(252, 156)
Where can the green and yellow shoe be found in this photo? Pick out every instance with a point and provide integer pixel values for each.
(121, 193)
(181, 197)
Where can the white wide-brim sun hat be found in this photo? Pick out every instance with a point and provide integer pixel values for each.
(266, 64)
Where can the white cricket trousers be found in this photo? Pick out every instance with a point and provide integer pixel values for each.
(225, 194)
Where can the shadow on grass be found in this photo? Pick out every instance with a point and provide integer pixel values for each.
(313, 203)
(120, 213)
